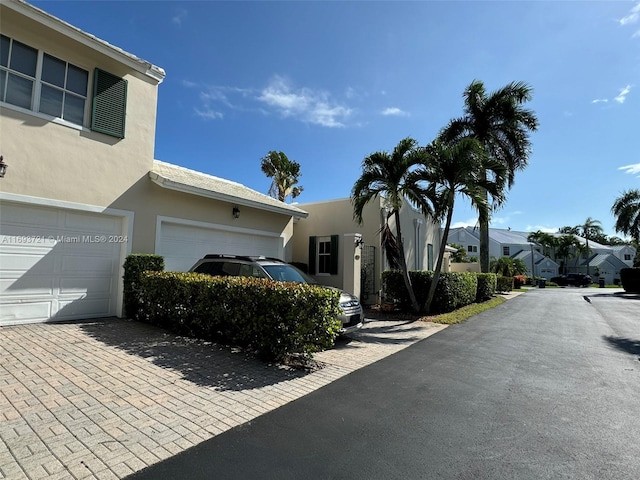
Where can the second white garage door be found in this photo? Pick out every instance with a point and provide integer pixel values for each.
(182, 245)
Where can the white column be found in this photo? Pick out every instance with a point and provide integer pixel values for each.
(351, 261)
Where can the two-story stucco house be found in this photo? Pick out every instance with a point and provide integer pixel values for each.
(325, 241)
(83, 190)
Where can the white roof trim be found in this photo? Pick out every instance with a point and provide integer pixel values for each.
(85, 38)
(266, 205)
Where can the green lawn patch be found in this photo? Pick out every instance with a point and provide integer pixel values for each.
(465, 312)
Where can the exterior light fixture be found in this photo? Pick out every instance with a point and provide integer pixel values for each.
(236, 212)
(3, 167)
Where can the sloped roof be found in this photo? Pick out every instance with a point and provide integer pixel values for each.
(601, 258)
(537, 258)
(509, 236)
(193, 182)
(85, 38)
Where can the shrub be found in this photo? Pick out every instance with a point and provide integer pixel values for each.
(276, 319)
(486, 286)
(630, 279)
(519, 281)
(454, 290)
(504, 284)
(134, 266)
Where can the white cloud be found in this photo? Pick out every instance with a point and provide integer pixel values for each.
(632, 169)
(542, 228)
(622, 96)
(179, 17)
(279, 97)
(632, 17)
(395, 112)
(308, 105)
(209, 114)
(468, 223)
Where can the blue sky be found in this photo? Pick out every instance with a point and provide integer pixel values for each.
(330, 82)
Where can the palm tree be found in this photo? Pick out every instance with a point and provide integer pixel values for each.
(390, 176)
(589, 229)
(567, 246)
(569, 230)
(501, 124)
(546, 240)
(626, 209)
(285, 174)
(452, 168)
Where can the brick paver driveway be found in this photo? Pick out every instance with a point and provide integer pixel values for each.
(106, 398)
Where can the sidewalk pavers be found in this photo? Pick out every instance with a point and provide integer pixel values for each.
(103, 399)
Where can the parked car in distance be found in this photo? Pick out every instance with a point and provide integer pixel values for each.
(572, 279)
(352, 316)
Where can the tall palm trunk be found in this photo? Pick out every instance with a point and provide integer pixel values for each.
(588, 254)
(483, 225)
(403, 264)
(443, 247)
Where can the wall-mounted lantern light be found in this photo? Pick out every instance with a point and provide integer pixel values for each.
(3, 167)
(236, 212)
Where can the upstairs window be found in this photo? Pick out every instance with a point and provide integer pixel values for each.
(627, 256)
(63, 92)
(18, 64)
(42, 83)
(505, 251)
(472, 248)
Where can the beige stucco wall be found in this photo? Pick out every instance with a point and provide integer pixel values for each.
(148, 201)
(50, 160)
(336, 217)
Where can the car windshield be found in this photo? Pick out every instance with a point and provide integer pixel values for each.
(287, 273)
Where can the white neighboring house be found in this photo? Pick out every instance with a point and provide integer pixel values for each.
(603, 260)
(506, 243)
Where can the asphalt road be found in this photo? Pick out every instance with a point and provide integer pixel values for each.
(545, 386)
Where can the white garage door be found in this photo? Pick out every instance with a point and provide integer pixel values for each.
(182, 245)
(57, 264)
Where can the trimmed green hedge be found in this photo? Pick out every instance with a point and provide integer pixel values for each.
(454, 290)
(134, 266)
(487, 283)
(630, 279)
(276, 319)
(504, 284)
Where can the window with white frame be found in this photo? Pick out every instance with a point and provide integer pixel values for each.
(505, 251)
(324, 255)
(37, 81)
(472, 248)
(41, 82)
(627, 256)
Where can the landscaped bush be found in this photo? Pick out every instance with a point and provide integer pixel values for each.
(454, 290)
(276, 319)
(630, 279)
(134, 266)
(504, 284)
(519, 281)
(486, 286)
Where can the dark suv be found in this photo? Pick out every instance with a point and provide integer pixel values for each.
(352, 316)
(573, 279)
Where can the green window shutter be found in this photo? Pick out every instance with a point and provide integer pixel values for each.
(313, 246)
(109, 104)
(334, 255)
